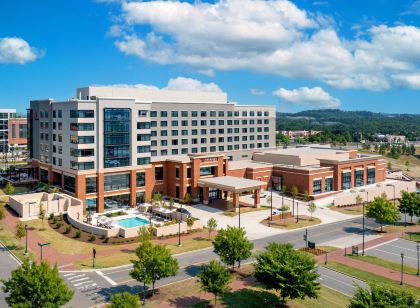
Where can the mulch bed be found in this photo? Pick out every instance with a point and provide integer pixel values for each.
(314, 251)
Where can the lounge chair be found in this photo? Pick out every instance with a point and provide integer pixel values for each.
(108, 223)
(101, 220)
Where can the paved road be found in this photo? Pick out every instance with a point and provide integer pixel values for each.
(7, 264)
(392, 251)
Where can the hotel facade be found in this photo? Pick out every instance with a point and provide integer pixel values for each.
(113, 147)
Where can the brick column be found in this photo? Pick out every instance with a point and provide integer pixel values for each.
(236, 201)
(205, 195)
(133, 186)
(195, 175)
(50, 175)
(257, 198)
(100, 199)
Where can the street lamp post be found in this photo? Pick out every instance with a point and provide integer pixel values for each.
(179, 227)
(393, 185)
(239, 216)
(418, 260)
(402, 269)
(363, 219)
(41, 245)
(271, 202)
(297, 211)
(26, 239)
(144, 287)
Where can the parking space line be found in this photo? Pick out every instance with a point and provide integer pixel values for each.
(403, 248)
(395, 254)
(381, 244)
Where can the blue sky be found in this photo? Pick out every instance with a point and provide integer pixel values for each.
(299, 55)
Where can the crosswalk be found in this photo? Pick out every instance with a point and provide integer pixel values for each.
(80, 281)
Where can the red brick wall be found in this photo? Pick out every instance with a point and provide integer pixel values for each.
(16, 140)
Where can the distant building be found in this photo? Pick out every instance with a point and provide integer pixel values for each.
(13, 130)
(390, 138)
(299, 133)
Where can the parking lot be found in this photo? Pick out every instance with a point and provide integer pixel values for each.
(392, 251)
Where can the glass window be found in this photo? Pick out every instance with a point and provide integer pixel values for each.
(140, 179)
(371, 175)
(177, 172)
(91, 205)
(153, 114)
(328, 184)
(143, 161)
(317, 187)
(116, 182)
(81, 126)
(82, 166)
(358, 174)
(69, 184)
(81, 114)
(159, 173)
(143, 149)
(184, 114)
(143, 113)
(346, 180)
(143, 125)
(91, 185)
(163, 113)
(174, 114)
(188, 172)
(116, 202)
(207, 171)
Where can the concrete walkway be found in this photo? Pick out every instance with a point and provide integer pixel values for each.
(338, 256)
(251, 220)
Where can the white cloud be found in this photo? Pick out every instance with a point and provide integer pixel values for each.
(256, 92)
(177, 84)
(314, 97)
(274, 37)
(17, 50)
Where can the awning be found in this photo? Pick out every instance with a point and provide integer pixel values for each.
(231, 183)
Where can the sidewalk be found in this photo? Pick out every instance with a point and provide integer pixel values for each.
(338, 256)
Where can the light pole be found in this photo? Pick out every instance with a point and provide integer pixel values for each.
(393, 185)
(94, 256)
(144, 286)
(363, 219)
(179, 227)
(41, 245)
(26, 239)
(402, 269)
(239, 216)
(271, 202)
(297, 211)
(418, 260)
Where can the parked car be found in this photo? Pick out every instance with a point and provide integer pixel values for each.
(183, 211)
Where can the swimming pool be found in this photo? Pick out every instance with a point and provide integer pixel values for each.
(132, 222)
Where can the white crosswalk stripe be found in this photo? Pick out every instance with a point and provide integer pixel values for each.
(80, 281)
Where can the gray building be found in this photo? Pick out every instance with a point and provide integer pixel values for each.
(5, 116)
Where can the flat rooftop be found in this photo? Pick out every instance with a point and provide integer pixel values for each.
(230, 183)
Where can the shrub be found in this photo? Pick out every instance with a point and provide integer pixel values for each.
(68, 229)
(51, 216)
(103, 236)
(54, 220)
(106, 240)
(58, 225)
(92, 238)
(78, 234)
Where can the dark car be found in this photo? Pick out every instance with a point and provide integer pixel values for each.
(184, 211)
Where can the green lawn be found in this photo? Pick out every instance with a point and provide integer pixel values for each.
(369, 277)
(257, 297)
(349, 210)
(233, 213)
(412, 237)
(291, 224)
(385, 263)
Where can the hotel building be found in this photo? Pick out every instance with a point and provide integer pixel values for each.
(115, 146)
(13, 130)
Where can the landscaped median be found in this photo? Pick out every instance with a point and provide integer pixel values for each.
(291, 223)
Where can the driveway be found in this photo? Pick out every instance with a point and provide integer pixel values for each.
(251, 220)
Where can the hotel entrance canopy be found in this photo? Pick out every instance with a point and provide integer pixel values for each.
(232, 184)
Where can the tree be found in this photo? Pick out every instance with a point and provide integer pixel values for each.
(283, 189)
(20, 230)
(382, 296)
(409, 203)
(188, 198)
(190, 222)
(55, 190)
(9, 189)
(389, 165)
(171, 203)
(214, 278)
(306, 196)
(311, 208)
(382, 211)
(284, 208)
(124, 300)
(294, 191)
(154, 263)
(42, 213)
(157, 198)
(359, 199)
(211, 225)
(144, 234)
(36, 285)
(232, 245)
(289, 271)
(407, 164)
(47, 188)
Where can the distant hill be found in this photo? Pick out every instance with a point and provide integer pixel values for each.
(352, 121)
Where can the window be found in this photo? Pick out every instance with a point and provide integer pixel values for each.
(174, 114)
(143, 149)
(177, 172)
(82, 126)
(82, 166)
(140, 179)
(328, 184)
(82, 152)
(116, 141)
(346, 180)
(91, 185)
(153, 114)
(188, 172)
(115, 202)
(204, 171)
(358, 174)
(221, 113)
(14, 131)
(69, 184)
(317, 187)
(143, 137)
(116, 181)
(143, 161)
(371, 175)
(143, 113)
(91, 205)
(75, 114)
(143, 125)
(60, 113)
(184, 114)
(82, 139)
(159, 173)
(163, 113)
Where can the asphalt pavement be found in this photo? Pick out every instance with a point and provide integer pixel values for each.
(7, 264)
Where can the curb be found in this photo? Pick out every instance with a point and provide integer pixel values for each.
(11, 253)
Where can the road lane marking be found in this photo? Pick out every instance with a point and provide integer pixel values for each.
(381, 244)
(72, 277)
(112, 282)
(80, 279)
(68, 274)
(395, 254)
(403, 248)
(83, 282)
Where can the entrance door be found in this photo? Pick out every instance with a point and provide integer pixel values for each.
(177, 192)
(214, 194)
